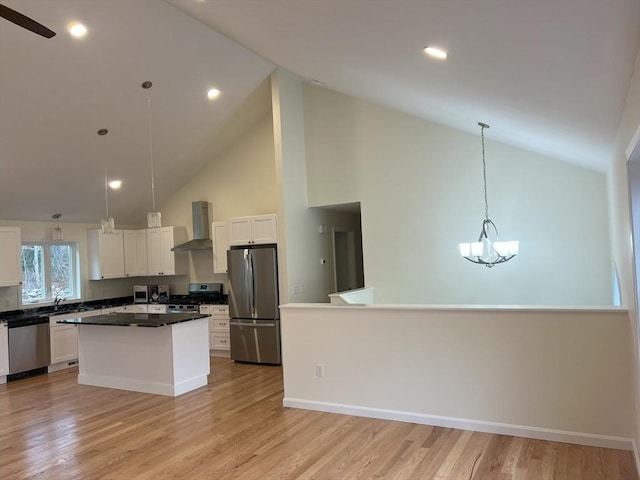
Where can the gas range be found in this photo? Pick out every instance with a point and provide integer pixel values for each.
(199, 294)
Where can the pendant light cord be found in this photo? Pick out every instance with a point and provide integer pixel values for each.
(153, 186)
(102, 132)
(106, 190)
(147, 86)
(484, 172)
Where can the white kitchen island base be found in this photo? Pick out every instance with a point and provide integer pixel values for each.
(168, 360)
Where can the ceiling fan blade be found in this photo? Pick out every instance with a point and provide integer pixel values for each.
(25, 22)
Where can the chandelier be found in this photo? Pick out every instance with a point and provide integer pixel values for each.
(154, 218)
(107, 223)
(488, 251)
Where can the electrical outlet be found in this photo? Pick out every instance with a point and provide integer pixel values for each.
(319, 370)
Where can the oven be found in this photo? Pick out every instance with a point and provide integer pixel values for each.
(199, 294)
(182, 308)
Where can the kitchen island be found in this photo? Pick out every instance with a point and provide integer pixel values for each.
(166, 354)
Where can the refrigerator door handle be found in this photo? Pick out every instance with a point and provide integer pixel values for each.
(252, 279)
(247, 273)
(252, 325)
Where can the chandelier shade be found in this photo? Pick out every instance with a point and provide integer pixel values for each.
(488, 250)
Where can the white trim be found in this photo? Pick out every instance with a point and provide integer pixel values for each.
(636, 456)
(169, 389)
(635, 142)
(579, 438)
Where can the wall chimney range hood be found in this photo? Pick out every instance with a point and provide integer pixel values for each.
(201, 240)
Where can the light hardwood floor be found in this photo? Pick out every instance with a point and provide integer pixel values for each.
(236, 428)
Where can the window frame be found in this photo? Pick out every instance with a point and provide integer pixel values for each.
(76, 279)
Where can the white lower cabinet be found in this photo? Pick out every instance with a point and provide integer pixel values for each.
(135, 308)
(4, 353)
(63, 340)
(156, 308)
(219, 343)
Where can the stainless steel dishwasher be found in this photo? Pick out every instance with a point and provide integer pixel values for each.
(29, 347)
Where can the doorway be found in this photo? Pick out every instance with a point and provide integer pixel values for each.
(344, 259)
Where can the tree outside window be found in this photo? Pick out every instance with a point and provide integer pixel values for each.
(49, 272)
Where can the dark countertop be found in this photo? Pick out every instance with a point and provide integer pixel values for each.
(134, 319)
(42, 314)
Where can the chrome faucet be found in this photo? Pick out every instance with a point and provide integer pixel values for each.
(56, 301)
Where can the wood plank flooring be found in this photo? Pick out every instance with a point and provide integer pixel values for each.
(236, 428)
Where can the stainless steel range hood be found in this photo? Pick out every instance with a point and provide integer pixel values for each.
(201, 240)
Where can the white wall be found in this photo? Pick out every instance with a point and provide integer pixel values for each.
(547, 373)
(420, 188)
(240, 181)
(620, 226)
(301, 247)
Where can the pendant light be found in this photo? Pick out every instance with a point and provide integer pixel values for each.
(107, 224)
(488, 251)
(57, 234)
(154, 218)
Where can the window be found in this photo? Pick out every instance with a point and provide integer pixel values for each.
(49, 270)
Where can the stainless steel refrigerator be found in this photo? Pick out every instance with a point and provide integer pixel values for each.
(253, 304)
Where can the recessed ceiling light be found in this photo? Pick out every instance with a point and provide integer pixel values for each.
(435, 52)
(115, 184)
(213, 93)
(78, 30)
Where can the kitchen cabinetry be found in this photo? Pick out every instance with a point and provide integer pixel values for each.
(251, 230)
(156, 308)
(219, 344)
(10, 272)
(4, 352)
(63, 340)
(133, 308)
(220, 246)
(106, 254)
(135, 253)
(160, 259)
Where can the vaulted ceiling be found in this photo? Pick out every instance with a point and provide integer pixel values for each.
(548, 76)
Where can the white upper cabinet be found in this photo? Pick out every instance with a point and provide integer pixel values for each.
(160, 259)
(130, 255)
(220, 246)
(10, 273)
(251, 230)
(142, 268)
(106, 254)
(135, 253)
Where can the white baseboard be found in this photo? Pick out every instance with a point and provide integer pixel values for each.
(637, 456)
(578, 438)
(61, 366)
(143, 386)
